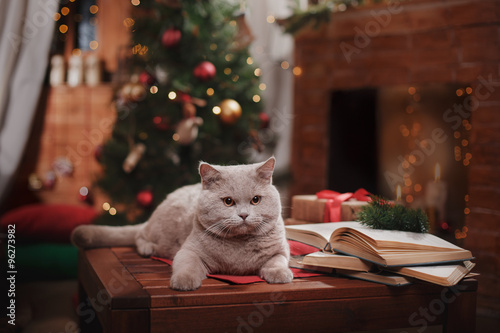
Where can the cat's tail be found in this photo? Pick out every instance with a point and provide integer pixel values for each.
(92, 236)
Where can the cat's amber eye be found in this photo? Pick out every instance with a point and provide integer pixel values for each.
(255, 200)
(228, 201)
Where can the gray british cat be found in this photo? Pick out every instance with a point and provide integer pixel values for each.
(230, 223)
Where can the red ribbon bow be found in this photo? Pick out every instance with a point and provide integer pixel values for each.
(335, 199)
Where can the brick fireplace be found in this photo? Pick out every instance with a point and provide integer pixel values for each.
(410, 43)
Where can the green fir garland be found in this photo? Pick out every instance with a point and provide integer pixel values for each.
(383, 214)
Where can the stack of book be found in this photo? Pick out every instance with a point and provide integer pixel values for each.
(384, 256)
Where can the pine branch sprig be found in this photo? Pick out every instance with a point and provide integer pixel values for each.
(383, 214)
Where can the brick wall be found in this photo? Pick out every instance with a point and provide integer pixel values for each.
(417, 42)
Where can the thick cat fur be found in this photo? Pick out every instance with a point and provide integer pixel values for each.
(205, 232)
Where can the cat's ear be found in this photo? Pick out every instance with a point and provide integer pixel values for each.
(209, 175)
(265, 170)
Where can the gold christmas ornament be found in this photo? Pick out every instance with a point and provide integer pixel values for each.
(230, 111)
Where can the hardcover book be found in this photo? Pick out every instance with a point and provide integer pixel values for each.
(383, 247)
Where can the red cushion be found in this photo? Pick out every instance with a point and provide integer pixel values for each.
(47, 223)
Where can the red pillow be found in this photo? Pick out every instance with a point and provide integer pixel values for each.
(47, 223)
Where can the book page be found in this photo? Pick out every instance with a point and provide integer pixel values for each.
(404, 239)
(324, 230)
(443, 271)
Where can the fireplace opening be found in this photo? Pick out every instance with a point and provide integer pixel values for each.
(415, 137)
(353, 149)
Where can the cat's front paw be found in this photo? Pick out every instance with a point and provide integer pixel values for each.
(185, 282)
(277, 275)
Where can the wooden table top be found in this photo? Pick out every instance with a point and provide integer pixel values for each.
(131, 282)
(149, 279)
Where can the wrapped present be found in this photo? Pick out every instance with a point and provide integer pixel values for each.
(329, 206)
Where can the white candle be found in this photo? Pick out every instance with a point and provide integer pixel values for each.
(436, 194)
(398, 195)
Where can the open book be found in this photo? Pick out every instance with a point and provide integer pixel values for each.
(444, 275)
(383, 247)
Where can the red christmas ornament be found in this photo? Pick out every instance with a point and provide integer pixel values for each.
(161, 123)
(264, 120)
(98, 152)
(145, 198)
(204, 71)
(146, 78)
(171, 37)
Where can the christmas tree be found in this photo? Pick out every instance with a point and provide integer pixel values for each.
(192, 94)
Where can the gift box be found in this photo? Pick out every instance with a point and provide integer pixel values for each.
(328, 206)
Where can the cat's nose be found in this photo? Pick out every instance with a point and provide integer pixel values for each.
(243, 216)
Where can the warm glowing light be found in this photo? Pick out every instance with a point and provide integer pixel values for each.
(153, 89)
(409, 198)
(412, 159)
(233, 23)
(285, 64)
(412, 90)
(140, 49)
(106, 206)
(176, 137)
(213, 47)
(227, 71)
(437, 172)
(76, 52)
(459, 92)
(112, 211)
(271, 19)
(65, 11)
(93, 45)
(467, 211)
(128, 22)
(456, 134)
(256, 98)
(465, 142)
(216, 110)
(468, 90)
(262, 86)
(93, 9)
(417, 187)
(57, 17)
(63, 28)
(249, 60)
(297, 71)
(235, 78)
(408, 182)
(210, 92)
(466, 198)
(257, 72)
(84, 191)
(135, 2)
(398, 193)
(228, 57)
(172, 95)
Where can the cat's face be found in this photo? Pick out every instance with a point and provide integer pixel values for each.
(238, 200)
